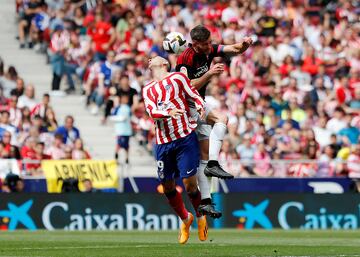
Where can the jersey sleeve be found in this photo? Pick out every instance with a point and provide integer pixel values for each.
(218, 50)
(184, 60)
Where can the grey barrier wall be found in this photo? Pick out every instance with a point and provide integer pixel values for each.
(151, 211)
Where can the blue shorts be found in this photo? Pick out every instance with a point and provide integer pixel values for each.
(179, 158)
(123, 142)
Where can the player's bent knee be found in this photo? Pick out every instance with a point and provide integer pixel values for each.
(190, 184)
(191, 188)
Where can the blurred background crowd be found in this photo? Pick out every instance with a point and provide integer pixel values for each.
(29, 129)
(295, 94)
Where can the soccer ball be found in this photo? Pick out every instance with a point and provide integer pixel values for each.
(174, 43)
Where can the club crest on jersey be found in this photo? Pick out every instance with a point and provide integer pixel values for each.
(161, 174)
(167, 87)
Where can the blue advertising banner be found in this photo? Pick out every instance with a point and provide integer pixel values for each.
(98, 211)
(289, 211)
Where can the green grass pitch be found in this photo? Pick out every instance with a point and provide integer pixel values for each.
(220, 243)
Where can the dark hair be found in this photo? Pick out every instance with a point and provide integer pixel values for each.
(7, 112)
(86, 180)
(12, 72)
(58, 136)
(1, 67)
(46, 95)
(69, 117)
(37, 117)
(11, 180)
(70, 185)
(339, 109)
(200, 33)
(124, 76)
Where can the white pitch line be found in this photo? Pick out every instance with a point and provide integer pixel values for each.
(83, 247)
(21, 256)
(341, 255)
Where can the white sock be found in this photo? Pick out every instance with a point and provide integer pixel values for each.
(203, 181)
(215, 140)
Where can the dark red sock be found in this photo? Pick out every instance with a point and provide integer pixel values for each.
(176, 202)
(195, 199)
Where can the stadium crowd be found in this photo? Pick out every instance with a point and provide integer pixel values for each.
(29, 129)
(295, 94)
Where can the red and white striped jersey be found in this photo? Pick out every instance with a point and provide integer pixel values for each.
(60, 42)
(173, 92)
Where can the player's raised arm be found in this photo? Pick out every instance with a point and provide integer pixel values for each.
(237, 48)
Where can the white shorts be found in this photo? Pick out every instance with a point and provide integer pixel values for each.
(203, 129)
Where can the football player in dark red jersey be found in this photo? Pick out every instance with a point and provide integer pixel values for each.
(195, 63)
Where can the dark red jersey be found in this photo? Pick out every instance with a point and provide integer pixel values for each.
(196, 64)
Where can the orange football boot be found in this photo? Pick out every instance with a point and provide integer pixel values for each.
(185, 229)
(202, 228)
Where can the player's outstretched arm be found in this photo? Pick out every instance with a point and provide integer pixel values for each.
(238, 48)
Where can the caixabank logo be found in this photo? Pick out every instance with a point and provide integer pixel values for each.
(324, 213)
(252, 215)
(16, 215)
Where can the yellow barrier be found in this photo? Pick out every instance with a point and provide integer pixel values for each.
(103, 174)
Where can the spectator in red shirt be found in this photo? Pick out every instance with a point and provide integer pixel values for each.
(28, 150)
(311, 63)
(344, 93)
(101, 33)
(39, 155)
(287, 66)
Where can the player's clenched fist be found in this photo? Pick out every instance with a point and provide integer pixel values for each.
(217, 69)
(248, 41)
